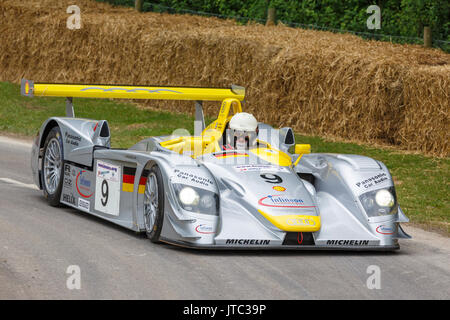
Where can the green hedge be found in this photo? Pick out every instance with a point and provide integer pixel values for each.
(403, 18)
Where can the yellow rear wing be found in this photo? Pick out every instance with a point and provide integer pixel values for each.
(30, 89)
(70, 91)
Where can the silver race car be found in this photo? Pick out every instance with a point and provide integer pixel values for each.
(201, 192)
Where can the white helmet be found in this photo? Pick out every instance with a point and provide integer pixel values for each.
(243, 121)
(243, 131)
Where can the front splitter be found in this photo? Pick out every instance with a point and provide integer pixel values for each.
(189, 245)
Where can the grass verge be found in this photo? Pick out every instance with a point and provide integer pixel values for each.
(422, 182)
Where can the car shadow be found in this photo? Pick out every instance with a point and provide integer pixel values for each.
(91, 218)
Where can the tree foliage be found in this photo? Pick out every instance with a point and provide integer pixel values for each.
(399, 17)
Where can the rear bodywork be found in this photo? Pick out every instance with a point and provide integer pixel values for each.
(268, 198)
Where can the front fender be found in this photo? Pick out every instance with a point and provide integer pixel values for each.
(339, 181)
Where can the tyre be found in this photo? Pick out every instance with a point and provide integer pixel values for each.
(154, 204)
(52, 167)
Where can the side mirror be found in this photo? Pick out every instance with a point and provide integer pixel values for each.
(101, 135)
(287, 139)
(302, 148)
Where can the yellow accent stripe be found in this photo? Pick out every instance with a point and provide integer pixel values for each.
(129, 187)
(298, 160)
(294, 222)
(134, 92)
(224, 112)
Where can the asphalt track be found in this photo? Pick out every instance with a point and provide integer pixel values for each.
(38, 243)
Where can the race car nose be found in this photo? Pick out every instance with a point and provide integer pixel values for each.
(293, 222)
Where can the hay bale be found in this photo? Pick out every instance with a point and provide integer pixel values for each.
(317, 82)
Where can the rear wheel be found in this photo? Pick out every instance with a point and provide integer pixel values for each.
(52, 167)
(154, 204)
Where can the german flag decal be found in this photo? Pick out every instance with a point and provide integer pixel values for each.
(128, 180)
(230, 154)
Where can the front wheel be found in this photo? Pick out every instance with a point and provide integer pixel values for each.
(52, 167)
(154, 204)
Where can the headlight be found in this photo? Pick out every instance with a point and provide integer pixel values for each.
(379, 202)
(197, 200)
(384, 198)
(207, 201)
(189, 196)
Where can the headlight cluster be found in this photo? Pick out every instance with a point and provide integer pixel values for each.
(380, 202)
(197, 200)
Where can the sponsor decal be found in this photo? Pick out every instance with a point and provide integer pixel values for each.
(83, 185)
(259, 167)
(128, 180)
(348, 242)
(247, 242)
(84, 182)
(234, 154)
(384, 230)
(204, 229)
(281, 201)
(130, 90)
(69, 198)
(67, 170)
(193, 178)
(67, 182)
(71, 139)
(279, 188)
(372, 181)
(300, 222)
(106, 171)
(84, 204)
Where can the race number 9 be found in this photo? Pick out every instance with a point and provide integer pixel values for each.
(108, 184)
(105, 193)
(271, 178)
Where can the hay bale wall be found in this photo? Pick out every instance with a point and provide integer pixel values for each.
(317, 82)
